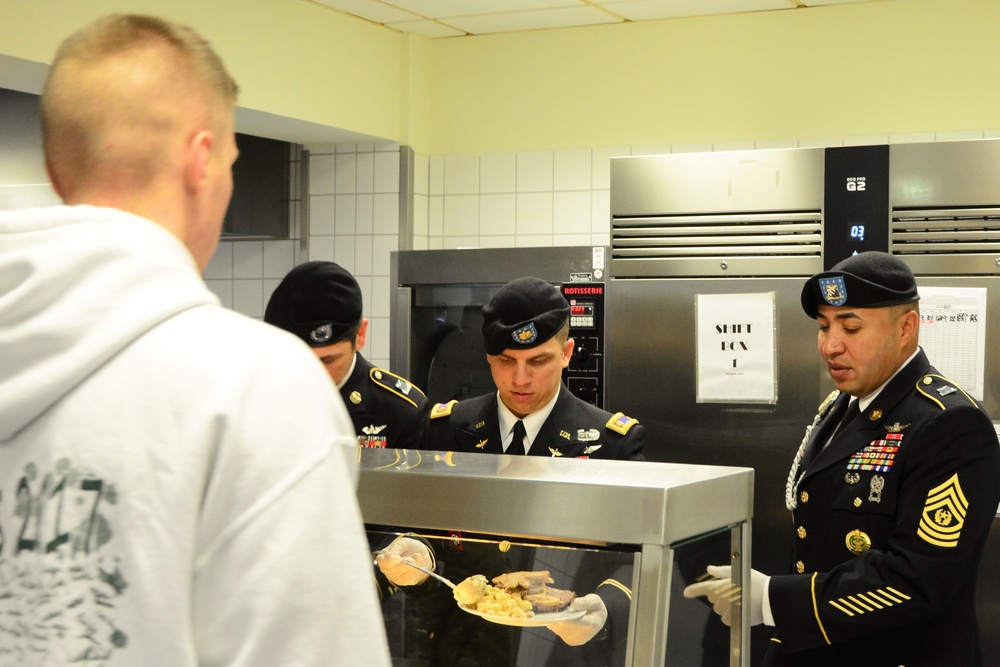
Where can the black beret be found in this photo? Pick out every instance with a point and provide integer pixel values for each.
(320, 302)
(866, 280)
(523, 314)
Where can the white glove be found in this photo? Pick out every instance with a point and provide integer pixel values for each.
(722, 593)
(392, 561)
(582, 630)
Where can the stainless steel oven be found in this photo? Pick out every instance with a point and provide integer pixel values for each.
(436, 320)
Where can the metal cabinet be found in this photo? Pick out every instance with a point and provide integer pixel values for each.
(666, 522)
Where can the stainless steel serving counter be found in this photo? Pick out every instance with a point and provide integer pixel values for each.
(658, 509)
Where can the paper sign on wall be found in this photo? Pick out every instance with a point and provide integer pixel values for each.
(736, 348)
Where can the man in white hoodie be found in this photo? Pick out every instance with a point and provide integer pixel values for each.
(177, 481)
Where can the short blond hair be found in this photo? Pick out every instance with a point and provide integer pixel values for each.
(126, 72)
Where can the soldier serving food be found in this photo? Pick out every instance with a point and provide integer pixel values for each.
(526, 332)
(892, 493)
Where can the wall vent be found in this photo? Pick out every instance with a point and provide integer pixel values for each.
(770, 243)
(947, 240)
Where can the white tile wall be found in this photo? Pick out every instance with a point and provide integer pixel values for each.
(534, 198)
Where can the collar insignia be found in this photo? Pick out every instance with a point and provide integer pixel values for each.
(480, 425)
(564, 435)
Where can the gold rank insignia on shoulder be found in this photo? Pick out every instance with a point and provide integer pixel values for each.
(443, 409)
(620, 423)
(944, 513)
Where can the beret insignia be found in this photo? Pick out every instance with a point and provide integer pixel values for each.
(525, 335)
(321, 334)
(834, 290)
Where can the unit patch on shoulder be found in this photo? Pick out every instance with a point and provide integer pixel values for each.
(944, 513)
(394, 384)
(620, 423)
(443, 409)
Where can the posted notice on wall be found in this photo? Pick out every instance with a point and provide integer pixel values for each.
(953, 334)
(736, 348)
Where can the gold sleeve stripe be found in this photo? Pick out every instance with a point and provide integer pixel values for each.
(895, 592)
(812, 584)
(863, 603)
(841, 608)
(869, 600)
(619, 585)
(860, 603)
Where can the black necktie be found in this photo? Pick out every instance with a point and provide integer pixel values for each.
(852, 411)
(516, 446)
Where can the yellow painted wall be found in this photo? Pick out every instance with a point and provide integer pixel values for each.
(894, 66)
(871, 68)
(293, 58)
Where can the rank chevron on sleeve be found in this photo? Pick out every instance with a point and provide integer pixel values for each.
(944, 513)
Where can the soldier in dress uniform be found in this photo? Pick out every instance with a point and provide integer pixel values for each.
(320, 302)
(526, 329)
(892, 493)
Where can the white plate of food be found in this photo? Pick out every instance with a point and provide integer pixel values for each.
(538, 620)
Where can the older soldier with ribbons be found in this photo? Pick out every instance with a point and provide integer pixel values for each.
(892, 493)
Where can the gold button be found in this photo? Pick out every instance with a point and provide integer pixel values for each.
(857, 502)
(802, 533)
(804, 496)
(800, 567)
(928, 380)
(378, 375)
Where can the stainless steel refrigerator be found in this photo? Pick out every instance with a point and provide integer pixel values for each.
(687, 226)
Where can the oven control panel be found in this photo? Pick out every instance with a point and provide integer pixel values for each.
(585, 374)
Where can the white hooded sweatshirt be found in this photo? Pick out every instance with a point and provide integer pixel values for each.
(174, 478)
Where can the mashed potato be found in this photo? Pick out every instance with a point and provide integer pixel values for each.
(470, 591)
(501, 603)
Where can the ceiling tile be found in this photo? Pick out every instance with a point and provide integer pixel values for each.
(533, 20)
(435, 9)
(645, 10)
(379, 12)
(427, 28)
